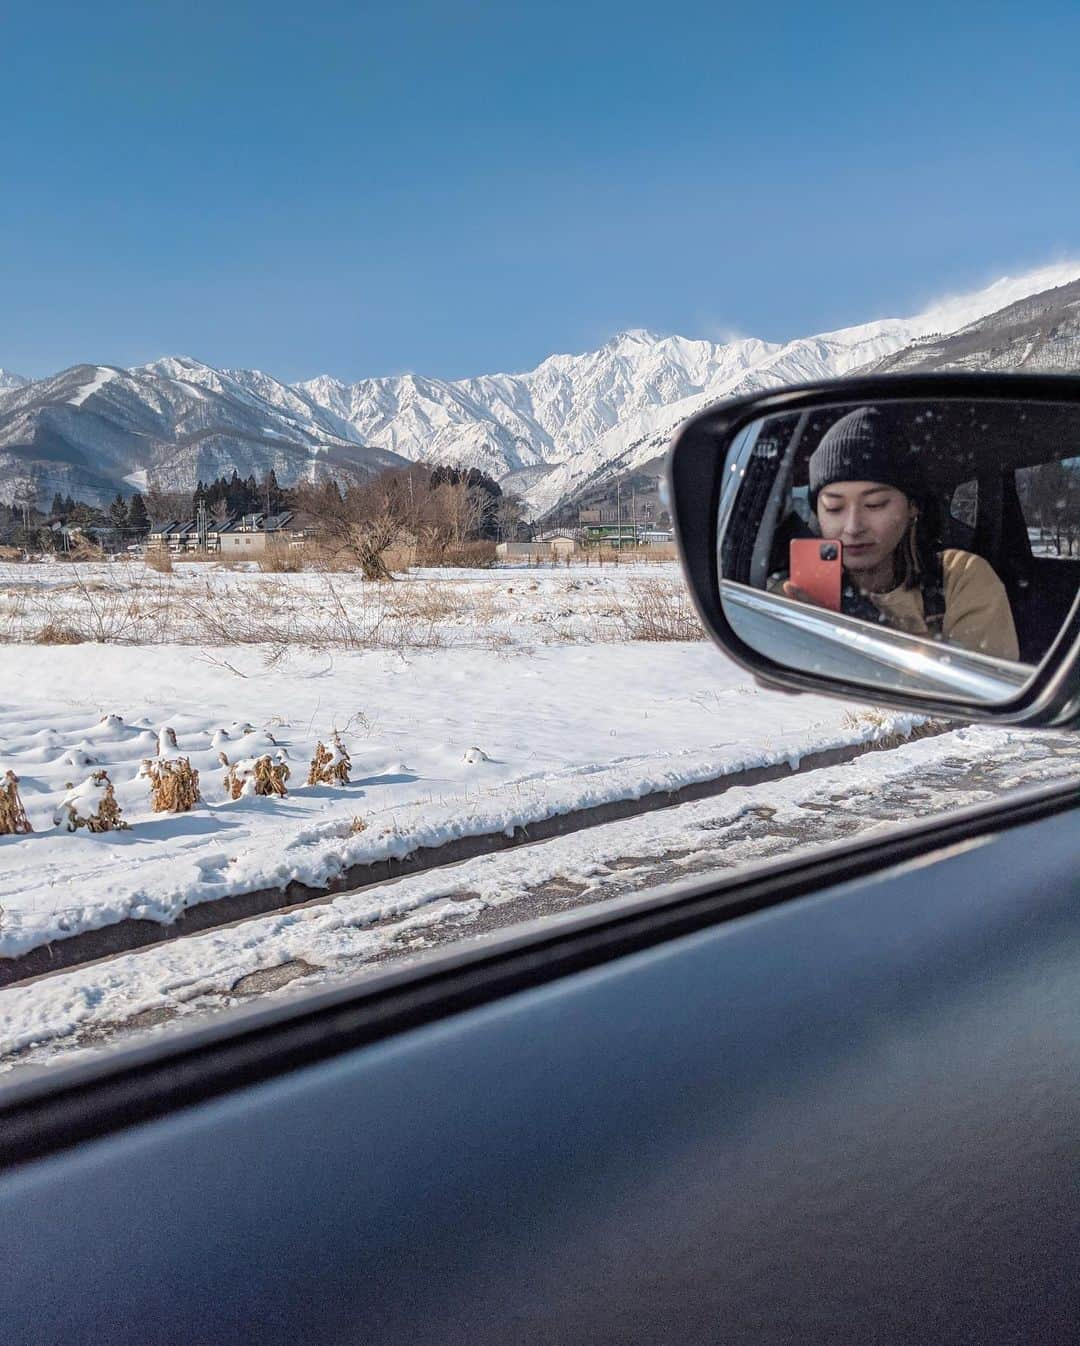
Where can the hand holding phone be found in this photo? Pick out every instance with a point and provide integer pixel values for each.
(816, 571)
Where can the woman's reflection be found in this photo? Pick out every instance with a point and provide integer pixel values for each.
(868, 492)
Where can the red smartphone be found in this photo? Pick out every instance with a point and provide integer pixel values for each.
(817, 569)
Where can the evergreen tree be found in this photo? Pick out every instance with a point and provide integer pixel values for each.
(234, 494)
(57, 504)
(118, 512)
(69, 505)
(138, 519)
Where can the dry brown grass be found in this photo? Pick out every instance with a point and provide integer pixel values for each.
(57, 633)
(882, 737)
(280, 559)
(400, 558)
(426, 602)
(13, 819)
(174, 785)
(658, 610)
(461, 556)
(653, 555)
(159, 559)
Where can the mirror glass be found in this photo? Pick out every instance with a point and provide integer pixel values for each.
(924, 546)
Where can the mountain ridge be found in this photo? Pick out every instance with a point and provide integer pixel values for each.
(572, 420)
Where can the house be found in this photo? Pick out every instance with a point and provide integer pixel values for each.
(612, 534)
(523, 551)
(302, 528)
(243, 535)
(168, 534)
(253, 533)
(562, 544)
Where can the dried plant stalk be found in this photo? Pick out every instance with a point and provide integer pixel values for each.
(91, 805)
(330, 766)
(13, 819)
(255, 776)
(174, 785)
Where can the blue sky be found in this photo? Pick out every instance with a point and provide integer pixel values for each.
(363, 189)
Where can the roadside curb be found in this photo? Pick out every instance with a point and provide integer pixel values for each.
(130, 934)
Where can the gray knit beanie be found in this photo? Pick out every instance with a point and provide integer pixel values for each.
(865, 446)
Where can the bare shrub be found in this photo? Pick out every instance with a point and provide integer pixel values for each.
(174, 785)
(255, 776)
(159, 559)
(91, 805)
(13, 819)
(330, 766)
(658, 611)
(357, 825)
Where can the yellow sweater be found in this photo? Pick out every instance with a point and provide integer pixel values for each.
(977, 612)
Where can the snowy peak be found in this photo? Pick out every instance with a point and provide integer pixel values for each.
(93, 430)
(574, 421)
(9, 381)
(614, 408)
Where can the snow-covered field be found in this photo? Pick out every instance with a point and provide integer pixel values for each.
(57, 1018)
(555, 675)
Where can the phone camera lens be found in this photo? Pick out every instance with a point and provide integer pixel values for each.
(829, 551)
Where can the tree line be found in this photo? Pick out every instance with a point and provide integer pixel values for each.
(433, 508)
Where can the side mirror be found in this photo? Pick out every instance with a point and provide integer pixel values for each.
(912, 541)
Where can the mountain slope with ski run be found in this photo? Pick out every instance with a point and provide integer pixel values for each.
(573, 422)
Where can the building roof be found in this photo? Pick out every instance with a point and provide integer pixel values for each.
(256, 521)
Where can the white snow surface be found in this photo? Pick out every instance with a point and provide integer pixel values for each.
(528, 709)
(102, 375)
(349, 931)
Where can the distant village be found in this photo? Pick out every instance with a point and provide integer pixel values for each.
(239, 517)
(242, 518)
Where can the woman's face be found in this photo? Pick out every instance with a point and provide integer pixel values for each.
(870, 519)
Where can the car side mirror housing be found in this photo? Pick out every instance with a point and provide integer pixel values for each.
(911, 541)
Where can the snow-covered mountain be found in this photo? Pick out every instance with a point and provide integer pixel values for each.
(92, 430)
(1038, 334)
(9, 381)
(578, 419)
(569, 425)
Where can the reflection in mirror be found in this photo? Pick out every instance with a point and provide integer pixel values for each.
(924, 546)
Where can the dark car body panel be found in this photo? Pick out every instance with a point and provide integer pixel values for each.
(850, 1117)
